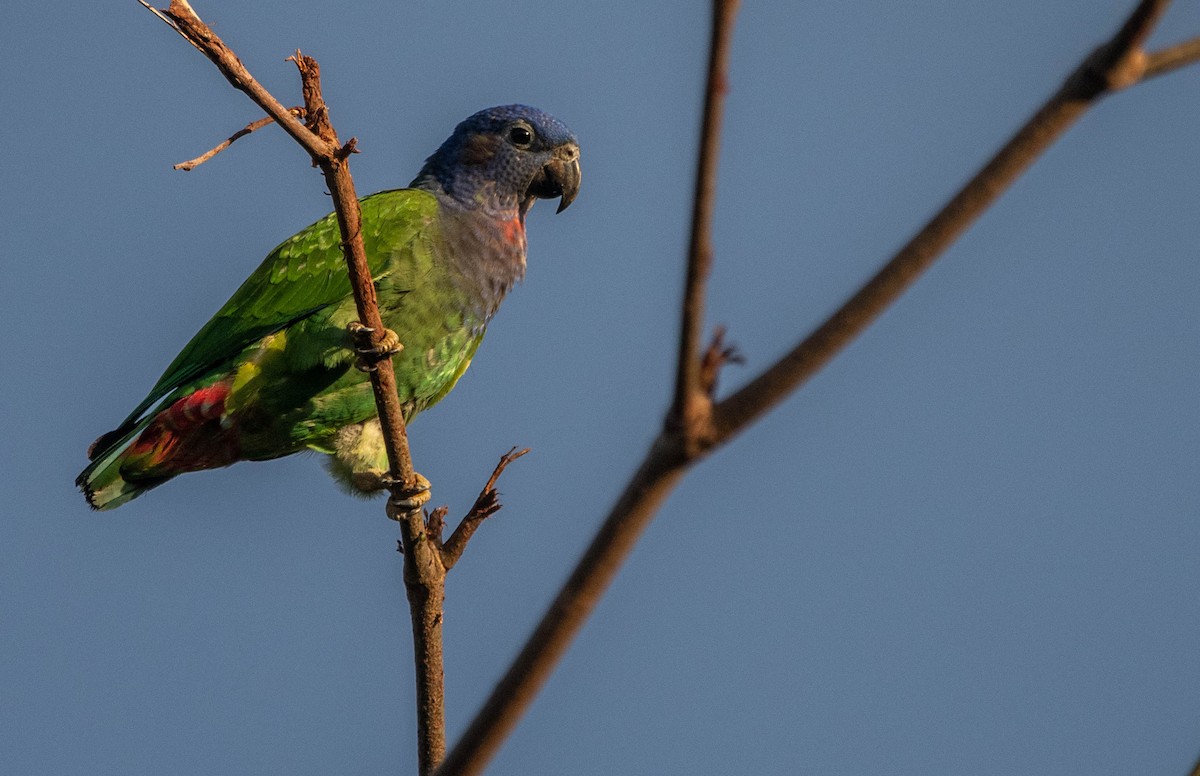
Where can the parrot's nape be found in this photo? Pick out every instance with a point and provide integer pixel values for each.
(273, 373)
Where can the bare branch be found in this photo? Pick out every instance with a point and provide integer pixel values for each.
(253, 126)
(691, 406)
(671, 454)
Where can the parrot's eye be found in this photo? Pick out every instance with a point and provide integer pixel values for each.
(520, 136)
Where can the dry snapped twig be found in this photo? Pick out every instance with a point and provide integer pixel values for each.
(425, 561)
(696, 426)
(484, 507)
(253, 126)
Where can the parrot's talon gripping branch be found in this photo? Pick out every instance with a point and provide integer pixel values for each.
(409, 499)
(370, 352)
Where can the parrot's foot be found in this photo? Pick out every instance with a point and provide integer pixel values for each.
(413, 498)
(370, 353)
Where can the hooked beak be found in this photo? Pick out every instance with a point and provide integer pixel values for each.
(558, 178)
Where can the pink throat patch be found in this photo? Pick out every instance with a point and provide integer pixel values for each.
(513, 230)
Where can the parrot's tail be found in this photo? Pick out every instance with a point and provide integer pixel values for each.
(103, 483)
(192, 432)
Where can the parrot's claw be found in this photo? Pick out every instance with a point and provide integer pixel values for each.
(414, 498)
(370, 352)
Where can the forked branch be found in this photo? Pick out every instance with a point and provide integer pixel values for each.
(695, 427)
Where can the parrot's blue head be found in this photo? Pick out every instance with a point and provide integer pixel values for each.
(502, 159)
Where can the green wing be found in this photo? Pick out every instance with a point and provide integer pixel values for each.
(304, 274)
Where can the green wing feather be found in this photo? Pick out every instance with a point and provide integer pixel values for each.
(306, 273)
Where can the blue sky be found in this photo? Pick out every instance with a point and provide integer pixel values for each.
(968, 546)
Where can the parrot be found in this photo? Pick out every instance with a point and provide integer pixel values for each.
(276, 372)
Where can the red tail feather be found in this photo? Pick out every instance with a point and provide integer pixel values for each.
(187, 436)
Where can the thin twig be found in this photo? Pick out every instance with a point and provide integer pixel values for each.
(484, 507)
(1172, 58)
(670, 455)
(253, 126)
(691, 405)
